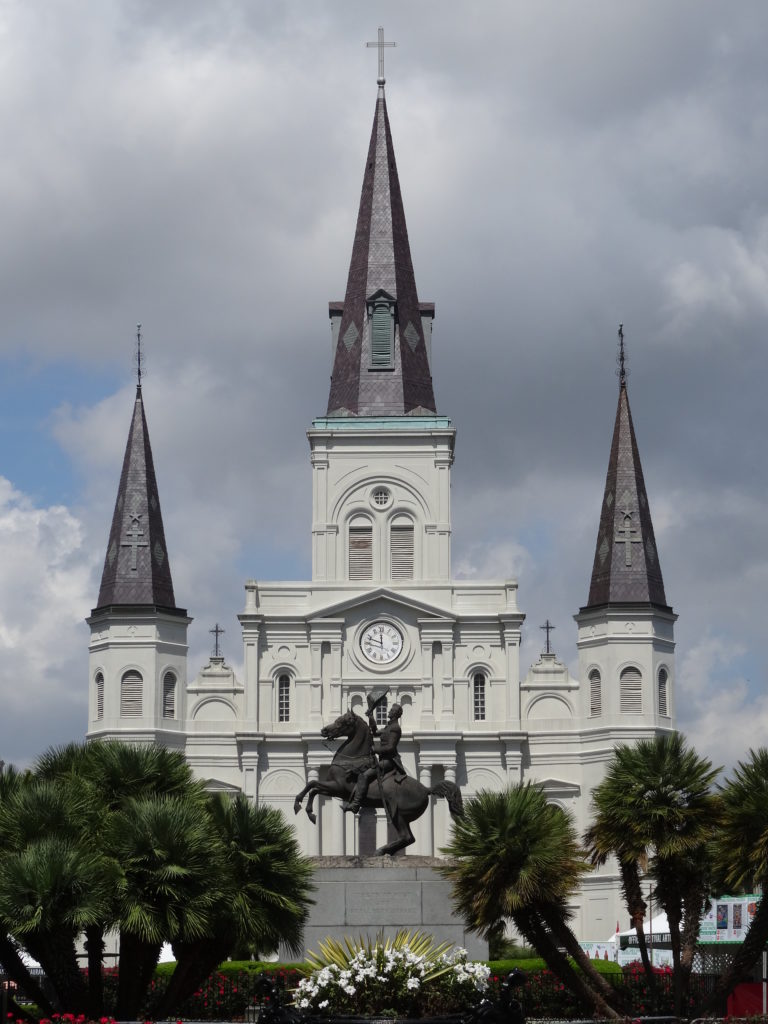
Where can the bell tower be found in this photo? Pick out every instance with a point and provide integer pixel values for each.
(138, 647)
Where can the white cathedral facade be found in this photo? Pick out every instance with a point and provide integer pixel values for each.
(381, 610)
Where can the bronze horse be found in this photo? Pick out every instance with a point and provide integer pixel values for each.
(406, 798)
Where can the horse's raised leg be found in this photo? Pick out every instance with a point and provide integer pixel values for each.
(300, 796)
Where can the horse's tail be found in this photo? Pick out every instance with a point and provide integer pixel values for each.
(452, 794)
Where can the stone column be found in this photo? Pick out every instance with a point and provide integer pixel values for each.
(425, 822)
(314, 843)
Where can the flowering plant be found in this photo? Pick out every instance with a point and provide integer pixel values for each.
(409, 976)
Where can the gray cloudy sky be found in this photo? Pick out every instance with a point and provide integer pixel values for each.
(196, 165)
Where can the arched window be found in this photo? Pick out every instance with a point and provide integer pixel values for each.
(401, 548)
(99, 695)
(131, 686)
(169, 695)
(663, 700)
(360, 549)
(381, 712)
(630, 692)
(478, 697)
(595, 694)
(284, 699)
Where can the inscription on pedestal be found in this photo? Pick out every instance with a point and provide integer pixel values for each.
(384, 904)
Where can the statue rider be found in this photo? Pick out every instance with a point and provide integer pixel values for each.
(386, 752)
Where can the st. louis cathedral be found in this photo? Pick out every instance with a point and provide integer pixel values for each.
(381, 611)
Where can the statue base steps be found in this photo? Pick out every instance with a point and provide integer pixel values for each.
(365, 895)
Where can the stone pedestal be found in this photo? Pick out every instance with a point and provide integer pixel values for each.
(366, 895)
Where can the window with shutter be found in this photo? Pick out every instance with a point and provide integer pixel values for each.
(131, 686)
(169, 695)
(381, 713)
(478, 697)
(382, 335)
(360, 552)
(284, 699)
(630, 692)
(663, 705)
(595, 694)
(99, 695)
(401, 551)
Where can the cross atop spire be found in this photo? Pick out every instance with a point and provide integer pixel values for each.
(138, 355)
(381, 44)
(621, 358)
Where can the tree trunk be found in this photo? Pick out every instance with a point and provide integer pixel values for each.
(542, 940)
(56, 955)
(94, 944)
(693, 906)
(747, 955)
(565, 937)
(138, 961)
(636, 905)
(195, 961)
(17, 971)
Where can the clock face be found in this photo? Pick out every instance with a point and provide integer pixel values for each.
(381, 642)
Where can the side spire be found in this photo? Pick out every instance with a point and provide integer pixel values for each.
(626, 567)
(136, 567)
(381, 360)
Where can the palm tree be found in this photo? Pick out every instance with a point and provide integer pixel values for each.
(108, 775)
(167, 851)
(50, 891)
(741, 857)
(262, 885)
(656, 810)
(517, 857)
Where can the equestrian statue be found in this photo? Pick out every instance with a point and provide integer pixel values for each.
(366, 771)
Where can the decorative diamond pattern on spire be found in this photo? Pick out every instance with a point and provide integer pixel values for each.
(626, 567)
(136, 569)
(381, 261)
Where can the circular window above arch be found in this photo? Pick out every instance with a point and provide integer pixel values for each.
(381, 497)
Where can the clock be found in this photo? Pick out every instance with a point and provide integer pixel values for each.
(381, 642)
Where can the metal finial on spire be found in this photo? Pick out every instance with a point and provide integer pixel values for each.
(138, 355)
(622, 370)
(217, 631)
(548, 627)
(381, 44)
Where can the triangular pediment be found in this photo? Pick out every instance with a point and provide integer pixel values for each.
(559, 787)
(387, 594)
(218, 786)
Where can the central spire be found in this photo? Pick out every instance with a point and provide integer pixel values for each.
(381, 361)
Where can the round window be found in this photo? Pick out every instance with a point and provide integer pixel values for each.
(381, 497)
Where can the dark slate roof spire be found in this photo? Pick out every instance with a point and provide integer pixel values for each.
(381, 268)
(136, 569)
(626, 567)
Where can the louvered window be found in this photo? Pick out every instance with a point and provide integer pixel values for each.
(381, 713)
(131, 686)
(478, 697)
(631, 692)
(169, 695)
(361, 552)
(595, 694)
(401, 551)
(284, 699)
(99, 695)
(382, 335)
(663, 705)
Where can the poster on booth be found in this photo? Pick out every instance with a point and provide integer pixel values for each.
(659, 957)
(728, 919)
